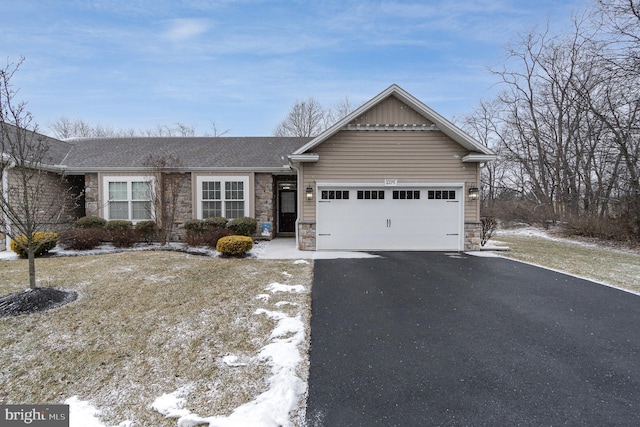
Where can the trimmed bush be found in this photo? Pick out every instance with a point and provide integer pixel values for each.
(214, 222)
(147, 230)
(234, 245)
(82, 239)
(44, 240)
(122, 233)
(244, 226)
(193, 225)
(210, 237)
(90, 222)
(115, 224)
(193, 236)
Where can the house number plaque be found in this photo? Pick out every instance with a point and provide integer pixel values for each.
(390, 182)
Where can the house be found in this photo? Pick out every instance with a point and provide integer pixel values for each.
(392, 175)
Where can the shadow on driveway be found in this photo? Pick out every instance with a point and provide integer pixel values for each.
(415, 338)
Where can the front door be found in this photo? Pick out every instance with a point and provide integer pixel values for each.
(287, 211)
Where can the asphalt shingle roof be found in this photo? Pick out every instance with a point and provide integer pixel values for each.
(193, 152)
(56, 152)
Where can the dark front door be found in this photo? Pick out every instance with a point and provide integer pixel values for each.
(287, 211)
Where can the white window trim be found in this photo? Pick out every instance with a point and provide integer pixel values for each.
(222, 179)
(128, 179)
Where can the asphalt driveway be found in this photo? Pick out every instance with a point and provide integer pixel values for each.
(416, 339)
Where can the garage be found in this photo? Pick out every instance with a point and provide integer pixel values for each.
(393, 175)
(416, 217)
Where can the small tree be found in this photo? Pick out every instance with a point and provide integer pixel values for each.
(27, 204)
(165, 193)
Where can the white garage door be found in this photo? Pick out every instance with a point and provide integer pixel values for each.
(391, 218)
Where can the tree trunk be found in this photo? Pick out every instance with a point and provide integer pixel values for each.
(32, 267)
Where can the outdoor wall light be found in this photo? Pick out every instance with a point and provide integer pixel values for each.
(308, 193)
(474, 193)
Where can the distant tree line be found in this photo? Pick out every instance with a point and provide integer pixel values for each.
(65, 128)
(566, 126)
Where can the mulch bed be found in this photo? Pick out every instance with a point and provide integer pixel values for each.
(35, 300)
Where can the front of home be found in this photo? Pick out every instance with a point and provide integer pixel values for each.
(392, 175)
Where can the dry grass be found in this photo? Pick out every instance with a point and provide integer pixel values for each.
(145, 323)
(597, 262)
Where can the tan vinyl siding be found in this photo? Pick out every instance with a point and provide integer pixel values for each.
(391, 111)
(403, 155)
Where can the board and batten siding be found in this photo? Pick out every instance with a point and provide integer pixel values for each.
(391, 111)
(410, 156)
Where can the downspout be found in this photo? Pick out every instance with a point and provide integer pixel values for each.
(298, 204)
(5, 196)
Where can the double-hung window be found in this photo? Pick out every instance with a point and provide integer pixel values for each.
(128, 198)
(225, 196)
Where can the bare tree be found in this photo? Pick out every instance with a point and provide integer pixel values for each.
(306, 118)
(216, 132)
(169, 182)
(310, 118)
(65, 128)
(27, 203)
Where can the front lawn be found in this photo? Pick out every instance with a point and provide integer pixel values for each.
(592, 260)
(146, 324)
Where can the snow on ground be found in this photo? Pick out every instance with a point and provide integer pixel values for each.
(272, 407)
(84, 414)
(279, 287)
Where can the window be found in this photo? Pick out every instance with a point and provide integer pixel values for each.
(442, 194)
(335, 195)
(128, 198)
(224, 196)
(370, 195)
(406, 194)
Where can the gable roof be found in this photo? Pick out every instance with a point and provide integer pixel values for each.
(206, 153)
(478, 152)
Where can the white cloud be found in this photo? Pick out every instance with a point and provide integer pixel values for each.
(183, 29)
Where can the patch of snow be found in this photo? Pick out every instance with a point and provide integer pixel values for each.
(8, 256)
(263, 297)
(281, 303)
(483, 254)
(279, 287)
(287, 275)
(232, 361)
(272, 407)
(171, 405)
(301, 261)
(83, 414)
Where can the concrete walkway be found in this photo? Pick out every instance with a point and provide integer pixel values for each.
(285, 248)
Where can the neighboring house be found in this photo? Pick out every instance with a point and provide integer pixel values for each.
(392, 175)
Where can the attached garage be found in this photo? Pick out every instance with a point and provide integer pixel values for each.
(417, 217)
(392, 175)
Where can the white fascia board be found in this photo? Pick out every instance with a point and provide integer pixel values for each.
(304, 158)
(479, 158)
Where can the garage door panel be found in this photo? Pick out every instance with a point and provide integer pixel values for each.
(397, 219)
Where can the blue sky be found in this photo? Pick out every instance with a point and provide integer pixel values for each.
(243, 63)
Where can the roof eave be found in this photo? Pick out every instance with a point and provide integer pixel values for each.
(479, 158)
(83, 170)
(304, 158)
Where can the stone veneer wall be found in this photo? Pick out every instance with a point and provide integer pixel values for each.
(472, 231)
(307, 236)
(184, 210)
(264, 203)
(91, 197)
